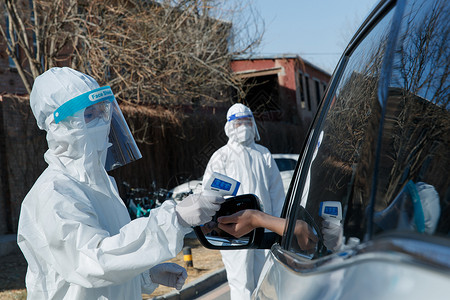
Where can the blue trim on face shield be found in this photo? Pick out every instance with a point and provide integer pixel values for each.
(238, 116)
(82, 101)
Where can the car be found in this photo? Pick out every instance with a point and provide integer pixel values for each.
(183, 190)
(376, 164)
(286, 164)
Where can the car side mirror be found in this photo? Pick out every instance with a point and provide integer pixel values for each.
(211, 237)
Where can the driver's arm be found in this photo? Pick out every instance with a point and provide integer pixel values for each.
(244, 221)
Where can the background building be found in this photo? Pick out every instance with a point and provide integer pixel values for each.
(282, 89)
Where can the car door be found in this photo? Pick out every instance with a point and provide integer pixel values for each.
(379, 152)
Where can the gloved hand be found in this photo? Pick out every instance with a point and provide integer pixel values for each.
(169, 274)
(332, 235)
(197, 209)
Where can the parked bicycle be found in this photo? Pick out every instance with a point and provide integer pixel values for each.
(140, 201)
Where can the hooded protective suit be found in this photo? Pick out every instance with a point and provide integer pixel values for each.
(74, 230)
(253, 166)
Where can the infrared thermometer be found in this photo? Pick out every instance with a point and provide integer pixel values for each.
(331, 211)
(221, 185)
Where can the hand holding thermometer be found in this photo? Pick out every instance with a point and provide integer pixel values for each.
(221, 185)
(331, 211)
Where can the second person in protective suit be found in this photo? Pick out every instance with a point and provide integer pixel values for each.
(74, 230)
(254, 167)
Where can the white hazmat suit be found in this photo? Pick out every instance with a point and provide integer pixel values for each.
(74, 230)
(253, 166)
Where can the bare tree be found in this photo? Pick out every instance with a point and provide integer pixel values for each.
(161, 55)
(420, 135)
(37, 35)
(151, 52)
(167, 53)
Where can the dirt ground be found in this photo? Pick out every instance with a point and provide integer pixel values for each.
(14, 266)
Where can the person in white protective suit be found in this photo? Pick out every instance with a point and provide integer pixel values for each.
(254, 167)
(74, 230)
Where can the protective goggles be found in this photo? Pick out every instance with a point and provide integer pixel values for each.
(100, 104)
(243, 121)
(97, 112)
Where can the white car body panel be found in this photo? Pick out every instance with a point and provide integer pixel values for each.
(369, 276)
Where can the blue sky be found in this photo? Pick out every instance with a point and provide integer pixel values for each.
(317, 30)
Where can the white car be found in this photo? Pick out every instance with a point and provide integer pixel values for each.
(286, 164)
(181, 191)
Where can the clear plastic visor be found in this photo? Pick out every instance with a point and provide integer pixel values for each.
(124, 149)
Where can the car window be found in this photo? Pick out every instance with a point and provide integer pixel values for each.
(285, 164)
(344, 147)
(413, 182)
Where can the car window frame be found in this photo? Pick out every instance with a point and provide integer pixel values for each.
(300, 174)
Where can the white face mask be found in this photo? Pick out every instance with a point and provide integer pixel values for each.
(245, 134)
(98, 135)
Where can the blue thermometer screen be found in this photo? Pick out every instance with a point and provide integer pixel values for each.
(331, 210)
(220, 184)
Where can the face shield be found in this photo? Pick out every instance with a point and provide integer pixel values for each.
(100, 107)
(124, 149)
(242, 119)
